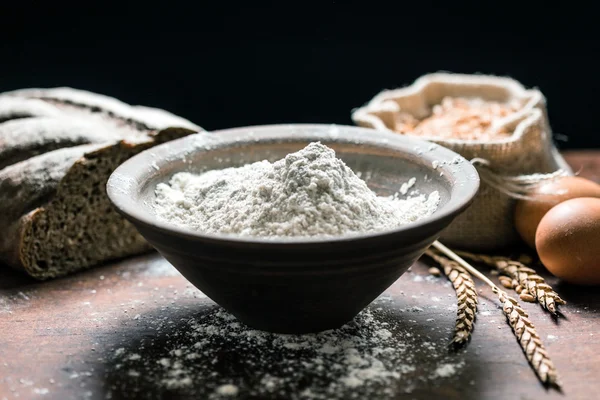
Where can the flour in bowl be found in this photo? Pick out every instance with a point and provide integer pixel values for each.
(307, 193)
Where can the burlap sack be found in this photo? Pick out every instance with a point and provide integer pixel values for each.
(503, 163)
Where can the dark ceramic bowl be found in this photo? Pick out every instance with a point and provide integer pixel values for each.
(295, 285)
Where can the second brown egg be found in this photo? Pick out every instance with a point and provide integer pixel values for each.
(567, 241)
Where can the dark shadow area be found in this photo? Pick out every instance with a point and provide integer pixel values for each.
(192, 354)
(558, 318)
(249, 64)
(585, 296)
(12, 279)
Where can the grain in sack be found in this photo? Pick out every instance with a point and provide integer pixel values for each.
(496, 123)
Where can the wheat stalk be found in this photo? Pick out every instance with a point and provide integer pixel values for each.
(466, 295)
(518, 320)
(524, 280)
(528, 339)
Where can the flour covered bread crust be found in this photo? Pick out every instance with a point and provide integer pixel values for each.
(57, 149)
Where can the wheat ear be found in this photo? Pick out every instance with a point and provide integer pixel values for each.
(518, 320)
(524, 280)
(466, 296)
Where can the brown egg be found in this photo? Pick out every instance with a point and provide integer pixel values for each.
(529, 213)
(568, 241)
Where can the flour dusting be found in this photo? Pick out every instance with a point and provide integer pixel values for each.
(446, 370)
(307, 193)
(214, 356)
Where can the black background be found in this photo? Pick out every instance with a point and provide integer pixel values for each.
(226, 64)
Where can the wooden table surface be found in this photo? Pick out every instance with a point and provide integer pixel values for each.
(61, 339)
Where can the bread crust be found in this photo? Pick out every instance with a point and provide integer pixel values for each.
(55, 216)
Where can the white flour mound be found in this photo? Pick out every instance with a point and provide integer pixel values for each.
(307, 193)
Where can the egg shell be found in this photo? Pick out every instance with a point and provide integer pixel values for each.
(568, 241)
(529, 213)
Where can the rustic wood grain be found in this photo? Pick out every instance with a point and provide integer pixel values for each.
(60, 335)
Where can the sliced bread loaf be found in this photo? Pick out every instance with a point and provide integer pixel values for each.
(57, 150)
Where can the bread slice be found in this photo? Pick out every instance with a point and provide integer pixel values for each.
(57, 149)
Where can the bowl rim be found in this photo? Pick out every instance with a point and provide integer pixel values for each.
(122, 185)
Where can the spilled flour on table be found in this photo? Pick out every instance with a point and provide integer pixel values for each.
(446, 370)
(214, 356)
